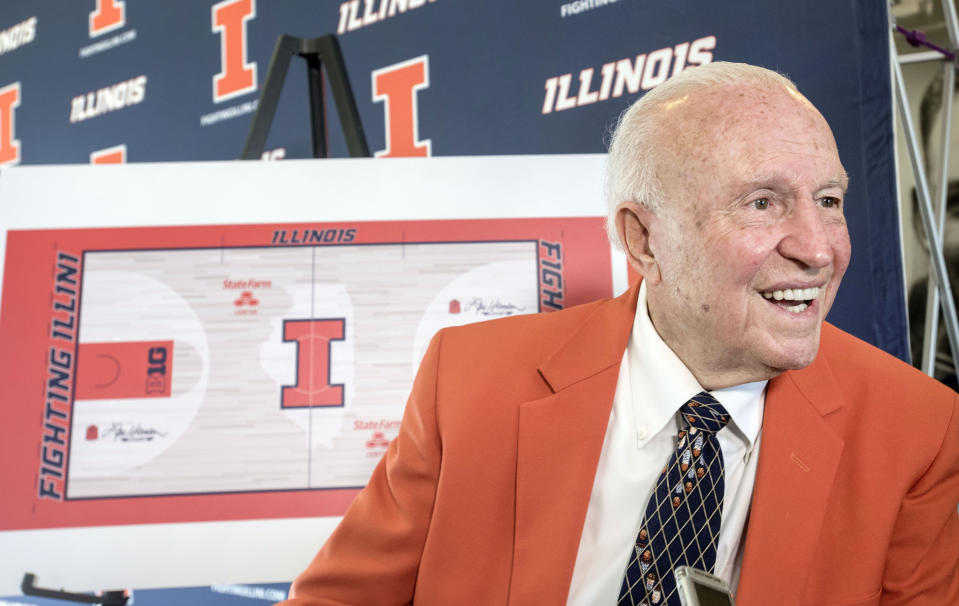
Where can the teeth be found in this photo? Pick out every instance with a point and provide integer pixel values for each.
(797, 308)
(793, 294)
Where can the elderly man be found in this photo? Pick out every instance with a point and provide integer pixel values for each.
(707, 417)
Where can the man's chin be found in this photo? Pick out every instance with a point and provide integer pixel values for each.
(794, 358)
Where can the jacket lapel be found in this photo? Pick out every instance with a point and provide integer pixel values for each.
(559, 442)
(798, 458)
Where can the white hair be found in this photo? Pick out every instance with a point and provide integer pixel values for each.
(631, 168)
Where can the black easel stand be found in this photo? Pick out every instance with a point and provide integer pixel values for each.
(317, 52)
(109, 598)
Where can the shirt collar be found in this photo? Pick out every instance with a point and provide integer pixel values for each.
(660, 383)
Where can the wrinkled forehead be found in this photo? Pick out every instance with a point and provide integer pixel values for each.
(727, 112)
(724, 125)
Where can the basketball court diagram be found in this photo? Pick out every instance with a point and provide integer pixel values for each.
(245, 371)
(265, 368)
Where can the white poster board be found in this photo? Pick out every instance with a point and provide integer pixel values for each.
(205, 273)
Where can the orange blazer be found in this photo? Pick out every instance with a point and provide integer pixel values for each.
(481, 498)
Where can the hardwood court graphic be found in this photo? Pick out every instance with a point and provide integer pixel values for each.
(252, 404)
(214, 365)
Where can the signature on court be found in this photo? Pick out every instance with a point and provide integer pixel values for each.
(130, 433)
(493, 307)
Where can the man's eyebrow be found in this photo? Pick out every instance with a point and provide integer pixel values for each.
(841, 181)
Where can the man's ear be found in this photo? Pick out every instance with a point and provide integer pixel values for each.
(633, 222)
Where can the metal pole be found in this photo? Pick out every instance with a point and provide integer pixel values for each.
(952, 22)
(930, 344)
(286, 47)
(920, 57)
(314, 83)
(925, 207)
(931, 332)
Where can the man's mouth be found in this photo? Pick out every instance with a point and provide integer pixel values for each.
(796, 300)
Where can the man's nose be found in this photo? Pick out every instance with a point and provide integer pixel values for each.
(807, 238)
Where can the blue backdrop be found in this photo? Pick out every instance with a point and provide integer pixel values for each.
(136, 79)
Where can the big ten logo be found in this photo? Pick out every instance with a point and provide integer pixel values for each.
(397, 86)
(156, 369)
(313, 342)
(237, 76)
(110, 155)
(550, 275)
(9, 147)
(108, 16)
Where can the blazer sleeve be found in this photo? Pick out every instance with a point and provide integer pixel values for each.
(372, 557)
(922, 565)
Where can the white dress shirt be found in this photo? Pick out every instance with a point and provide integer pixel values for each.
(653, 383)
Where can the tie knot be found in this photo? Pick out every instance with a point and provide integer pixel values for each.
(703, 411)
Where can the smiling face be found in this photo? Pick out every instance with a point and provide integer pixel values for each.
(743, 260)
